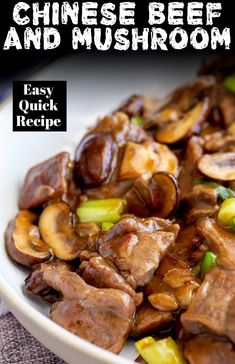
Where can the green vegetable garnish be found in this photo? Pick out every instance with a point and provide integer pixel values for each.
(226, 215)
(229, 83)
(208, 262)
(136, 120)
(106, 226)
(164, 351)
(222, 192)
(101, 211)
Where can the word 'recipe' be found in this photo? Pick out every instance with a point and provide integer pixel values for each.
(96, 21)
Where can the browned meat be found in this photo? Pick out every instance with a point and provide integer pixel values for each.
(102, 316)
(213, 307)
(187, 245)
(149, 320)
(201, 202)
(220, 241)
(173, 285)
(35, 284)
(136, 247)
(188, 168)
(99, 273)
(45, 181)
(207, 349)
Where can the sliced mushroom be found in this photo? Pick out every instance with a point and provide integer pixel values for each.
(165, 193)
(93, 159)
(157, 195)
(58, 232)
(174, 106)
(23, 241)
(185, 126)
(219, 166)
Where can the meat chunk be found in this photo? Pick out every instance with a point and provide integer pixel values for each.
(102, 316)
(99, 273)
(219, 240)
(136, 247)
(201, 202)
(187, 245)
(213, 307)
(207, 349)
(149, 320)
(35, 284)
(45, 181)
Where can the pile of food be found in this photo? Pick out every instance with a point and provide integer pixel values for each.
(135, 237)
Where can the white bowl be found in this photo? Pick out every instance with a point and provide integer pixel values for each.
(96, 86)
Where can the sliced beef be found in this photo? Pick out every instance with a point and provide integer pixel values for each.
(102, 316)
(136, 247)
(213, 307)
(99, 273)
(35, 284)
(45, 181)
(187, 245)
(218, 240)
(201, 202)
(149, 320)
(208, 349)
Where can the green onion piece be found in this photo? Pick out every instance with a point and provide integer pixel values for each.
(106, 226)
(136, 120)
(100, 211)
(226, 215)
(222, 192)
(229, 83)
(164, 351)
(208, 262)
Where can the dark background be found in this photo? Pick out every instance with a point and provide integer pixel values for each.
(22, 63)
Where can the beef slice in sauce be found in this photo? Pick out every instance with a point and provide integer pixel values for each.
(102, 316)
(213, 307)
(45, 181)
(208, 349)
(136, 247)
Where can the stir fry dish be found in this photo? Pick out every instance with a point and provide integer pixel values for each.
(134, 237)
